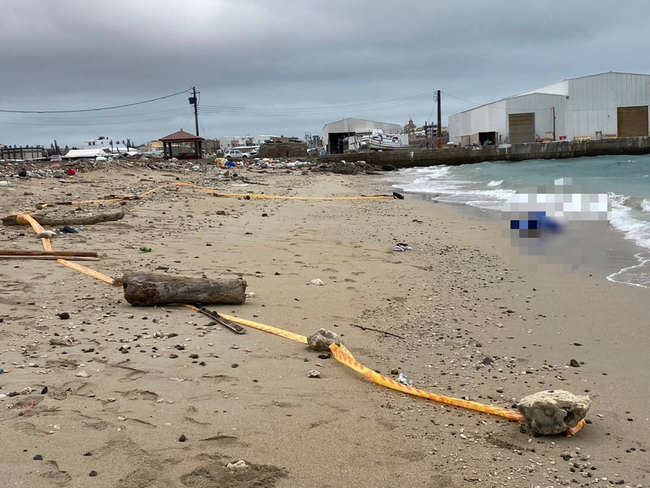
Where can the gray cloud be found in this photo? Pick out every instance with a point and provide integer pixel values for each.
(291, 53)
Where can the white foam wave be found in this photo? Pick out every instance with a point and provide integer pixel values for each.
(645, 205)
(495, 183)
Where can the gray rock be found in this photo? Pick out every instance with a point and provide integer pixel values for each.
(552, 412)
(322, 339)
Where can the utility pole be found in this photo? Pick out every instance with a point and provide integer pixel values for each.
(439, 131)
(194, 101)
(554, 124)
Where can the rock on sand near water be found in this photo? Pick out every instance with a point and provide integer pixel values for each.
(552, 412)
(322, 339)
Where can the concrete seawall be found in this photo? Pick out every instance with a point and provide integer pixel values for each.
(516, 152)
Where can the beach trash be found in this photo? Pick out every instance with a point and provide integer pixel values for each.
(402, 247)
(405, 380)
(314, 373)
(71, 172)
(552, 412)
(145, 249)
(317, 282)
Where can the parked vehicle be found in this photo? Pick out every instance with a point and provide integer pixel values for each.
(234, 154)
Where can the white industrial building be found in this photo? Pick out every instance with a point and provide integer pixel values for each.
(335, 132)
(606, 105)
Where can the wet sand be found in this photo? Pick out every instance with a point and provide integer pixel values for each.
(447, 305)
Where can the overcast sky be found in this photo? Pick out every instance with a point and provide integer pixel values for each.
(287, 54)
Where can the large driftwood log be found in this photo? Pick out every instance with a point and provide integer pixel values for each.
(146, 289)
(70, 220)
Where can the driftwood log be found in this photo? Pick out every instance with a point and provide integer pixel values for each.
(146, 289)
(69, 220)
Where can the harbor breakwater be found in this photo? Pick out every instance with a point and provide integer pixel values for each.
(454, 156)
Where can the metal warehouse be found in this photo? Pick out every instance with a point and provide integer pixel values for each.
(606, 105)
(335, 132)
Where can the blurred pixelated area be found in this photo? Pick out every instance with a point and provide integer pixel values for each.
(559, 224)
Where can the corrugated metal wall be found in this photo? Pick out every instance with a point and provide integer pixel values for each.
(593, 101)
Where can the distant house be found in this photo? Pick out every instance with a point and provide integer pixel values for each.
(27, 153)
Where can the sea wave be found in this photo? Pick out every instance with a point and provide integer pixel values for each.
(495, 183)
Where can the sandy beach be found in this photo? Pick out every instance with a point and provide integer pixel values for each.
(451, 314)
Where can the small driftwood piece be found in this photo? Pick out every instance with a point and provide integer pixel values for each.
(70, 220)
(12, 252)
(146, 289)
(52, 257)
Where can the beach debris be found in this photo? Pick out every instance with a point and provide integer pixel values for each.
(218, 319)
(66, 229)
(322, 339)
(241, 464)
(61, 341)
(314, 373)
(146, 289)
(83, 374)
(69, 220)
(402, 247)
(250, 294)
(317, 282)
(145, 249)
(405, 380)
(552, 412)
(46, 234)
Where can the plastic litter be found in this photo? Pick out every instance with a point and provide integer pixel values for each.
(145, 249)
(405, 380)
(402, 247)
(317, 282)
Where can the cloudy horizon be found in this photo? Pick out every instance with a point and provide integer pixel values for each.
(295, 64)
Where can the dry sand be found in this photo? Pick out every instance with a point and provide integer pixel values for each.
(448, 305)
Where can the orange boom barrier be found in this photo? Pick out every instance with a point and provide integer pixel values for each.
(340, 352)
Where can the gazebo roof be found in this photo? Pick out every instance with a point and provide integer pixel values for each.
(181, 136)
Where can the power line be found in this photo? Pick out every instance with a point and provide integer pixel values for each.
(93, 109)
(65, 124)
(91, 117)
(275, 111)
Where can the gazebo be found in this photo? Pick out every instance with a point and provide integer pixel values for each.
(182, 145)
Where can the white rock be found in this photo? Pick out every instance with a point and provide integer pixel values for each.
(241, 464)
(317, 282)
(83, 374)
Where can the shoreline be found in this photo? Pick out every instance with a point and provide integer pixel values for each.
(450, 303)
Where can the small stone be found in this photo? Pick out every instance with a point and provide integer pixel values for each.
(173, 356)
(234, 365)
(38, 457)
(182, 438)
(92, 473)
(241, 464)
(83, 374)
(574, 363)
(552, 412)
(194, 356)
(322, 339)
(88, 453)
(63, 315)
(314, 373)
(394, 371)
(317, 282)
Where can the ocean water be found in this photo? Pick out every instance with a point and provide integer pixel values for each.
(626, 179)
